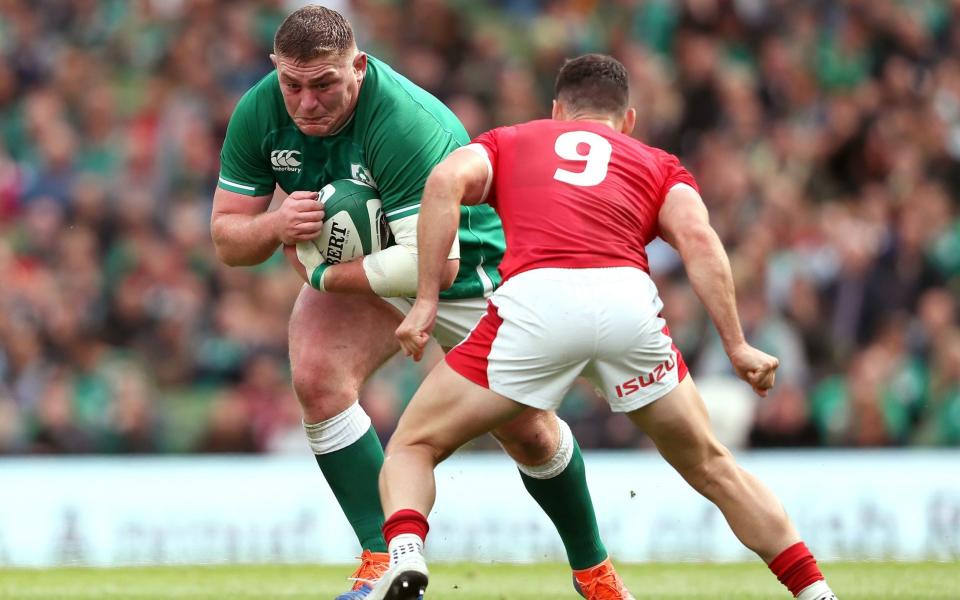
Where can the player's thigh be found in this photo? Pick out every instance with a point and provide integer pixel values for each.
(679, 425)
(532, 436)
(336, 342)
(448, 411)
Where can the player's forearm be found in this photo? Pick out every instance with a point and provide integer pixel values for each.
(347, 278)
(244, 240)
(386, 274)
(708, 270)
(436, 230)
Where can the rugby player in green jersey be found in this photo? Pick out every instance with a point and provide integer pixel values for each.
(329, 112)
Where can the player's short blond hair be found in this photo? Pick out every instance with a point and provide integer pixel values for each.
(311, 32)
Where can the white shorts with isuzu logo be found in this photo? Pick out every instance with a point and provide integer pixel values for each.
(545, 327)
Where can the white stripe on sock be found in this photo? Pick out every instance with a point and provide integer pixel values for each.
(338, 432)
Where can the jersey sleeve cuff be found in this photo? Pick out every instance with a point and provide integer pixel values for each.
(244, 188)
(400, 213)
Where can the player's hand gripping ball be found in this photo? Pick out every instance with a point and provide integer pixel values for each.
(353, 226)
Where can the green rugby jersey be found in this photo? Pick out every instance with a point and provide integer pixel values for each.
(396, 135)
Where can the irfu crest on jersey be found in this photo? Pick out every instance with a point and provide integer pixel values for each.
(360, 173)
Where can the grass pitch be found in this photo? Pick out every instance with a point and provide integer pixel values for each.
(851, 581)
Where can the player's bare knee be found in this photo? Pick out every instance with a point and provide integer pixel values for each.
(530, 439)
(441, 453)
(321, 395)
(533, 449)
(716, 476)
(415, 443)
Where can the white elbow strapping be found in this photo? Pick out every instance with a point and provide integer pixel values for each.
(392, 272)
(405, 233)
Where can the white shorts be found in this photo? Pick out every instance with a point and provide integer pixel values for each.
(455, 318)
(544, 328)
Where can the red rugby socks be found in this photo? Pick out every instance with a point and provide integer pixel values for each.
(796, 568)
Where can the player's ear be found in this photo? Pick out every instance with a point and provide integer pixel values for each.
(360, 64)
(557, 112)
(273, 59)
(629, 121)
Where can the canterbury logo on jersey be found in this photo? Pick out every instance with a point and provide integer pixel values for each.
(285, 160)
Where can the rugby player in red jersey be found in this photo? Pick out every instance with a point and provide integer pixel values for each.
(579, 200)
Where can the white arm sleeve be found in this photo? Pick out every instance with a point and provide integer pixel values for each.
(393, 272)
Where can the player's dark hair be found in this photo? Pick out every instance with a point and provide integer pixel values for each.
(593, 82)
(311, 32)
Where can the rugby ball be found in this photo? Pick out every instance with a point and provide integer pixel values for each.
(353, 225)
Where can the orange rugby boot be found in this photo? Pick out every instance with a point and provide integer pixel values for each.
(601, 583)
(372, 567)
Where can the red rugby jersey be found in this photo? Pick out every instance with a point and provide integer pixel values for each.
(576, 194)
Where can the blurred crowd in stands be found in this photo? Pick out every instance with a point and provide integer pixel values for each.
(825, 135)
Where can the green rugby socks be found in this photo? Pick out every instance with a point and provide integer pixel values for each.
(352, 471)
(565, 497)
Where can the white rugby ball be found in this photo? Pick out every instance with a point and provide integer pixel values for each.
(353, 225)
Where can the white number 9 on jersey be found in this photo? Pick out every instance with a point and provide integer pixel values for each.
(597, 158)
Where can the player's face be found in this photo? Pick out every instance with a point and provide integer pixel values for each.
(321, 94)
